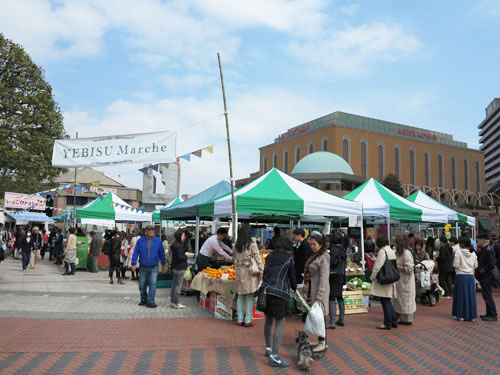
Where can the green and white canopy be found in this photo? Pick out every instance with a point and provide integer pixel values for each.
(106, 211)
(276, 193)
(378, 201)
(156, 213)
(426, 201)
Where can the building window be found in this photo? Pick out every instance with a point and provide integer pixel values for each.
(325, 144)
(275, 160)
(427, 176)
(346, 148)
(364, 160)
(440, 171)
(297, 154)
(311, 147)
(412, 167)
(397, 161)
(264, 163)
(478, 176)
(466, 174)
(453, 173)
(380, 157)
(285, 161)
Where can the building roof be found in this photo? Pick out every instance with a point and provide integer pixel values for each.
(352, 121)
(86, 176)
(322, 162)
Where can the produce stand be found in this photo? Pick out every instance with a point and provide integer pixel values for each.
(205, 284)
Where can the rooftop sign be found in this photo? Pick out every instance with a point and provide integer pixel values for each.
(417, 134)
(295, 131)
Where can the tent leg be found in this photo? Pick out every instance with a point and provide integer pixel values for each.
(389, 229)
(197, 237)
(291, 230)
(362, 245)
(474, 232)
(298, 223)
(457, 229)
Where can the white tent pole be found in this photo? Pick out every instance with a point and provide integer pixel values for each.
(291, 229)
(457, 229)
(298, 223)
(389, 229)
(362, 245)
(197, 237)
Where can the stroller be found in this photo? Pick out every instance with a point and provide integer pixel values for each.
(427, 288)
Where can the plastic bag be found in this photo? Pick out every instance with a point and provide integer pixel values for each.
(187, 274)
(315, 321)
(425, 279)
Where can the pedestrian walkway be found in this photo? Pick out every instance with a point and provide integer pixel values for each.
(104, 340)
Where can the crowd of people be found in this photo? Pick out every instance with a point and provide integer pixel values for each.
(312, 266)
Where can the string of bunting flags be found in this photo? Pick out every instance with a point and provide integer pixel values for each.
(187, 157)
(126, 208)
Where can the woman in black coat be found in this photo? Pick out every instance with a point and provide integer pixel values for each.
(445, 266)
(279, 279)
(338, 256)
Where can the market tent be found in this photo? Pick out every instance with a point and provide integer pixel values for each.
(276, 193)
(426, 201)
(23, 217)
(107, 210)
(156, 213)
(63, 217)
(378, 201)
(189, 208)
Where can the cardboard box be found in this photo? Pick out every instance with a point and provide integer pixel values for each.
(212, 301)
(257, 314)
(186, 285)
(221, 310)
(204, 301)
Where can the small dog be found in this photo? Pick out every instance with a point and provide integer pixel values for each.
(304, 351)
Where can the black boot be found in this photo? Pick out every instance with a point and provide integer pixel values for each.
(333, 310)
(340, 321)
(66, 269)
(73, 268)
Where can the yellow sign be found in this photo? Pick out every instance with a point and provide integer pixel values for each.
(354, 302)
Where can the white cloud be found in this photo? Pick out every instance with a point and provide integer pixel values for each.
(352, 51)
(255, 119)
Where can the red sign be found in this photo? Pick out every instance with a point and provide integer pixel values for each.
(417, 134)
(296, 131)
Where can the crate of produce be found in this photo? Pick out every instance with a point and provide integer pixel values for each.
(204, 301)
(222, 311)
(212, 301)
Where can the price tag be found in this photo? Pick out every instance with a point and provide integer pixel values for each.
(225, 276)
(355, 282)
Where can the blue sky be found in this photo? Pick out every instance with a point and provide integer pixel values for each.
(124, 66)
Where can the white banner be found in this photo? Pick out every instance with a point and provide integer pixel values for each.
(25, 201)
(146, 148)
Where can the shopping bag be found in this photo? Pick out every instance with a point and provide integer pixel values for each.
(425, 278)
(187, 274)
(389, 273)
(254, 269)
(262, 297)
(315, 321)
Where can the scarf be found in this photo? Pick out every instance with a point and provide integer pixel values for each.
(307, 275)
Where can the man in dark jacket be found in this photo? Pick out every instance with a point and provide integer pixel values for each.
(149, 251)
(484, 273)
(94, 251)
(115, 253)
(58, 246)
(445, 266)
(273, 244)
(301, 253)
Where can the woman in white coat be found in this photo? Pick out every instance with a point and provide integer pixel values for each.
(384, 291)
(404, 302)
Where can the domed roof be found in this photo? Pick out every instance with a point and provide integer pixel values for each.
(322, 162)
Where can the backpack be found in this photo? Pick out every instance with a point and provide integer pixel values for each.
(106, 249)
(337, 263)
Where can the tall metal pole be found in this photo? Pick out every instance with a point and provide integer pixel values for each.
(74, 196)
(233, 203)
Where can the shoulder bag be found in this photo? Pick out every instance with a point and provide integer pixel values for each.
(262, 297)
(389, 273)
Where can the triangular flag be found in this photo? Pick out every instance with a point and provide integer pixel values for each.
(144, 170)
(126, 208)
(154, 167)
(164, 165)
(122, 206)
(96, 183)
(209, 149)
(186, 157)
(197, 153)
(177, 161)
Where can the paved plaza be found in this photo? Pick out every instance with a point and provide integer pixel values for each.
(53, 324)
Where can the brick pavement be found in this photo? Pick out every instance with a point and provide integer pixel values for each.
(88, 340)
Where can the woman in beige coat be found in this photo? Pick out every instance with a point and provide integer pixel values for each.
(387, 291)
(316, 279)
(70, 253)
(246, 282)
(404, 303)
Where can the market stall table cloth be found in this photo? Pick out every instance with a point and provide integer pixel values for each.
(205, 284)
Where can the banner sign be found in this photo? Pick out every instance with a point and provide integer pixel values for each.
(24, 201)
(146, 148)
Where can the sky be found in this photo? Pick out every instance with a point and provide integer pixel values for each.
(132, 66)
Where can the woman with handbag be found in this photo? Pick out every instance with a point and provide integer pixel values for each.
(404, 303)
(338, 256)
(278, 280)
(180, 257)
(316, 280)
(380, 287)
(249, 268)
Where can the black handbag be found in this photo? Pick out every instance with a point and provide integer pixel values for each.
(389, 273)
(496, 273)
(262, 298)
